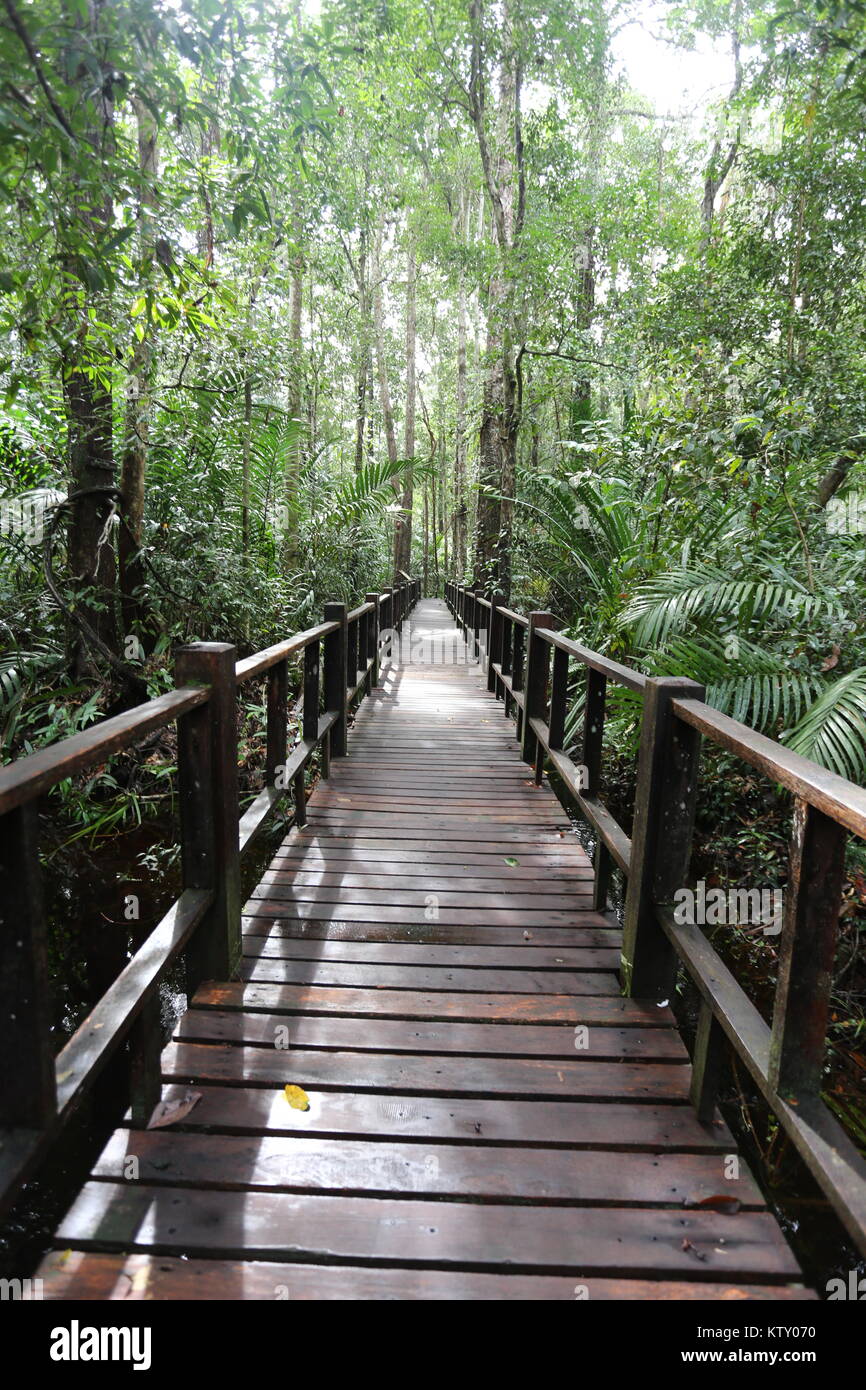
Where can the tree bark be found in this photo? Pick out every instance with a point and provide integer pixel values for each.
(382, 368)
(296, 350)
(138, 405)
(89, 406)
(835, 477)
(502, 164)
(719, 165)
(460, 437)
(404, 522)
(384, 390)
(363, 368)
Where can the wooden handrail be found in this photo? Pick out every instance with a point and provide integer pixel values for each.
(40, 1091)
(786, 1060)
(622, 675)
(31, 776)
(359, 612)
(838, 798)
(260, 662)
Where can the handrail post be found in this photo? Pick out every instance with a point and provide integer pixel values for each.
(508, 627)
(494, 639)
(807, 950)
(29, 1094)
(558, 698)
(484, 620)
(535, 692)
(361, 654)
(310, 724)
(277, 719)
(384, 623)
(208, 798)
(373, 640)
(352, 644)
(336, 677)
(593, 740)
(665, 801)
(518, 668)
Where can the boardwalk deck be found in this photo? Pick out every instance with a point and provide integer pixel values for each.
(488, 1117)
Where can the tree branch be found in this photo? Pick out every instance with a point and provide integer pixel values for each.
(18, 25)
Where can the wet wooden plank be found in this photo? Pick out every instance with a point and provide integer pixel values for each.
(135, 1217)
(341, 1032)
(522, 824)
(525, 957)
(311, 1164)
(506, 1008)
(132, 1278)
(448, 892)
(424, 1075)
(598, 931)
(505, 838)
(349, 974)
(573, 1124)
(368, 862)
(371, 912)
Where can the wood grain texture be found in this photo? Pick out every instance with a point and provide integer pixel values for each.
(488, 1117)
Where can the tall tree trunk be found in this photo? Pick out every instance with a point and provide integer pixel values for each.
(138, 403)
(435, 547)
(488, 514)
(89, 406)
(246, 451)
(404, 532)
(296, 349)
(719, 165)
(426, 539)
(363, 368)
(384, 390)
(581, 401)
(443, 502)
(382, 369)
(460, 437)
(502, 164)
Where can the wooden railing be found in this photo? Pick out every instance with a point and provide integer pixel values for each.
(39, 1092)
(786, 1060)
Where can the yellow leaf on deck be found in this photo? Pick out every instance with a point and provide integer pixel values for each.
(297, 1098)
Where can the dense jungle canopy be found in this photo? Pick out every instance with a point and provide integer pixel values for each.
(297, 297)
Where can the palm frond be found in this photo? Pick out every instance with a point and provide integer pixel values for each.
(367, 493)
(669, 601)
(746, 681)
(833, 730)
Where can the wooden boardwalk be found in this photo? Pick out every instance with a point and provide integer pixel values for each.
(488, 1118)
